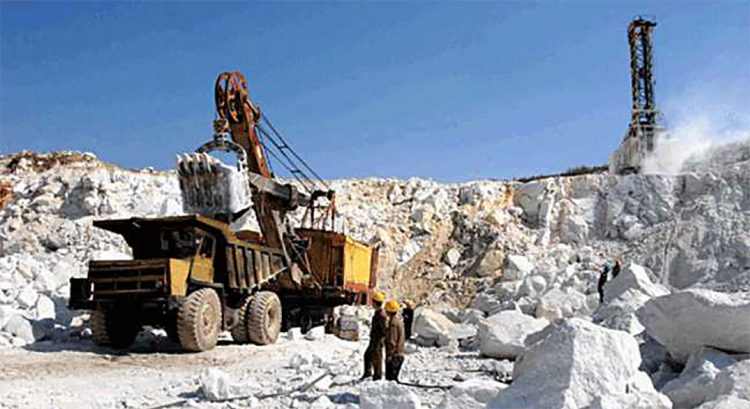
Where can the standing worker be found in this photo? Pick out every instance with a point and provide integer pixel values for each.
(374, 351)
(395, 348)
(602, 281)
(616, 268)
(408, 315)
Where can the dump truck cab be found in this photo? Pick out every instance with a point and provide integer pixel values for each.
(169, 255)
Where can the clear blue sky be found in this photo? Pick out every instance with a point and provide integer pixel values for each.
(451, 91)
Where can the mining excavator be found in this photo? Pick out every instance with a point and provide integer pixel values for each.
(202, 273)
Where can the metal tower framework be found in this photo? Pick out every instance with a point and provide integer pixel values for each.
(645, 120)
(645, 116)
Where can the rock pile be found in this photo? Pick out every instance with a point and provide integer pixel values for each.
(525, 256)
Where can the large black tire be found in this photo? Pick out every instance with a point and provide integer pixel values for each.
(239, 330)
(199, 320)
(116, 329)
(99, 328)
(264, 318)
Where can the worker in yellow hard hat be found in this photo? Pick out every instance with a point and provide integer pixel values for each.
(395, 342)
(374, 351)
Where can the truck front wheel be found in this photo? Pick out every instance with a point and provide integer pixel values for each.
(117, 330)
(264, 318)
(198, 320)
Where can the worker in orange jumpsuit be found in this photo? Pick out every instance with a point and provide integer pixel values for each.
(374, 351)
(395, 342)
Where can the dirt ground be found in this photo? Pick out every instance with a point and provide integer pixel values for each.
(81, 375)
(154, 372)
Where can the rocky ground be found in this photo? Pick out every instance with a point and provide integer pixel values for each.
(506, 273)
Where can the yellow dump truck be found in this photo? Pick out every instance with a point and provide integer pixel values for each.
(194, 277)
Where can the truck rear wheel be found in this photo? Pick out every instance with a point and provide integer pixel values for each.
(239, 330)
(264, 318)
(198, 320)
(117, 330)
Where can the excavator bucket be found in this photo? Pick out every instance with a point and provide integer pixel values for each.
(210, 187)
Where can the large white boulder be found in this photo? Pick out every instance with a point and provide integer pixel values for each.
(45, 308)
(530, 197)
(726, 402)
(532, 285)
(517, 267)
(620, 313)
(217, 385)
(27, 298)
(695, 386)
(632, 276)
(479, 389)
(570, 364)
(734, 380)
(21, 328)
(557, 303)
(384, 394)
(502, 335)
(687, 320)
(432, 328)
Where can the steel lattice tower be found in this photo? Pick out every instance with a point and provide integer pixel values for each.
(645, 120)
(645, 116)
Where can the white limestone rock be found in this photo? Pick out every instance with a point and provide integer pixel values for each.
(530, 196)
(734, 380)
(6, 312)
(45, 308)
(532, 285)
(217, 385)
(570, 364)
(620, 313)
(315, 333)
(687, 320)
(479, 389)
(726, 402)
(502, 335)
(27, 298)
(294, 334)
(574, 229)
(21, 328)
(432, 328)
(451, 257)
(517, 267)
(557, 303)
(695, 386)
(384, 394)
(632, 277)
